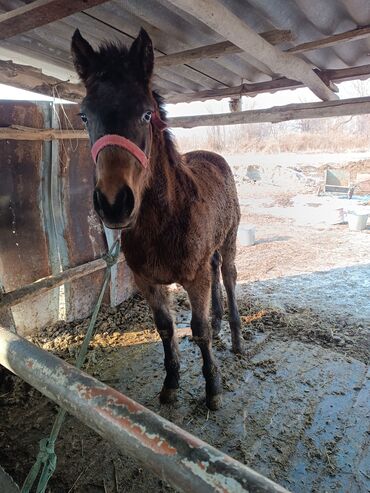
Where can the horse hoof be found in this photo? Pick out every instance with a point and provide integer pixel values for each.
(214, 402)
(168, 396)
(238, 348)
(216, 335)
(216, 329)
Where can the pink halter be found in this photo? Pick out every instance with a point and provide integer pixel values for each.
(131, 147)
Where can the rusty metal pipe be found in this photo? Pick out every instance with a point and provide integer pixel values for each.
(176, 456)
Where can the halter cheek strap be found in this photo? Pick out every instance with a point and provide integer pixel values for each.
(127, 144)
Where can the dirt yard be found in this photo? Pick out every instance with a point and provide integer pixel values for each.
(296, 406)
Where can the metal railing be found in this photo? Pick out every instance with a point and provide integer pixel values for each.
(184, 461)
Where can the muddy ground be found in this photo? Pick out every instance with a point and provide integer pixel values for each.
(296, 406)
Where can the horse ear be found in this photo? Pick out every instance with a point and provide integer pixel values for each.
(142, 56)
(82, 55)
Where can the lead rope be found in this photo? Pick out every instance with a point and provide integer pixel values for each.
(46, 457)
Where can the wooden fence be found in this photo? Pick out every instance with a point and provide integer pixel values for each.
(47, 221)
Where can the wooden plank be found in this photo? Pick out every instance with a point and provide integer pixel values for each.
(323, 109)
(345, 37)
(217, 16)
(40, 12)
(41, 286)
(32, 79)
(273, 37)
(271, 86)
(19, 132)
(246, 89)
(218, 49)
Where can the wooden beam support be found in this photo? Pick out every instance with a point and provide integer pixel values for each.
(41, 286)
(270, 86)
(322, 109)
(231, 92)
(17, 132)
(217, 16)
(353, 35)
(274, 37)
(32, 79)
(40, 12)
(218, 49)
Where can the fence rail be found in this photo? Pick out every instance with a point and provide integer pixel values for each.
(30, 291)
(184, 461)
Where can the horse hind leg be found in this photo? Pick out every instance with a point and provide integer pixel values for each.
(229, 275)
(158, 299)
(217, 297)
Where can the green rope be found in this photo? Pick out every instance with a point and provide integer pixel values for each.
(46, 458)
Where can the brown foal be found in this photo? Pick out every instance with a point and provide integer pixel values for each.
(179, 214)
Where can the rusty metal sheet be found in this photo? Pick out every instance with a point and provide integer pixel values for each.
(80, 234)
(24, 235)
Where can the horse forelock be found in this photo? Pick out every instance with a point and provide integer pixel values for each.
(111, 64)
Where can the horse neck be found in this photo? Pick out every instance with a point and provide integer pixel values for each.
(163, 174)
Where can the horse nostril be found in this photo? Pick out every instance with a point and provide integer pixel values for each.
(126, 200)
(118, 212)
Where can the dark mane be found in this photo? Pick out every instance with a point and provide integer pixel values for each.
(171, 149)
(111, 61)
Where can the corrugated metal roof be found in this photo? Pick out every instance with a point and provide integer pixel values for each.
(173, 30)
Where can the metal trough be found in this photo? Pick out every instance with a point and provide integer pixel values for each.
(176, 456)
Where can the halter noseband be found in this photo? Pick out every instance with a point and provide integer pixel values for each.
(127, 144)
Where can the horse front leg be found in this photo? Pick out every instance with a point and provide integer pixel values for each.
(158, 299)
(199, 292)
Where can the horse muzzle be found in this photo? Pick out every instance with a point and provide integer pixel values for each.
(116, 215)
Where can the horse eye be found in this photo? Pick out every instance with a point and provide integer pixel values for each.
(83, 118)
(146, 116)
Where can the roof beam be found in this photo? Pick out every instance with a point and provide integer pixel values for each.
(216, 50)
(40, 12)
(321, 109)
(217, 16)
(338, 75)
(33, 79)
(327, 42)
(274, 37)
